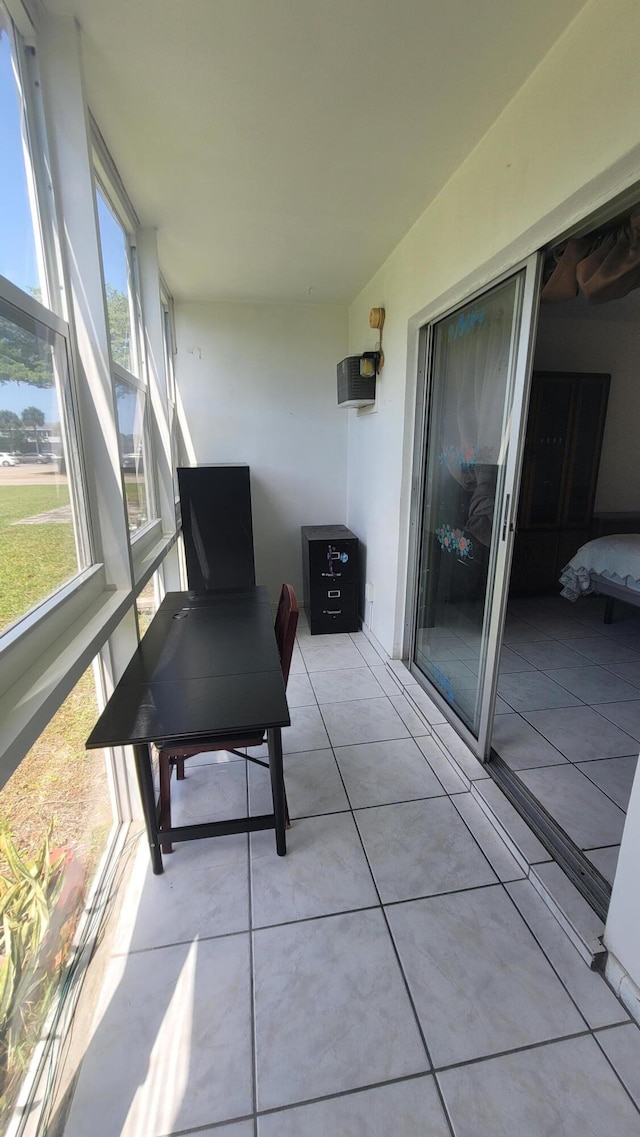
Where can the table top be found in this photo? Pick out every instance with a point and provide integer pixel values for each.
(208, 665)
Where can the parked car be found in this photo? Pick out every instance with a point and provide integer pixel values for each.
(132, 462)
(42, 458)
(8, 459)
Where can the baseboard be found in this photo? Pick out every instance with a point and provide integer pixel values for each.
(624, 986)
(375, 644)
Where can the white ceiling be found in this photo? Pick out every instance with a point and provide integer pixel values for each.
(283, 147)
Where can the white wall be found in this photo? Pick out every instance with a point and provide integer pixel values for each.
(258, 385)
(565, 144)
(603, 343)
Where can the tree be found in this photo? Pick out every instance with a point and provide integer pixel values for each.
(11, 428)
(9, 419)
(33, 418)
(24, 358)
(119, 326)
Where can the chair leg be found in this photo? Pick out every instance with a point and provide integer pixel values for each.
(164, 820)
(179, 764)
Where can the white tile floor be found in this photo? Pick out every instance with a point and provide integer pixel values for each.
(573, 727)
(394, 976)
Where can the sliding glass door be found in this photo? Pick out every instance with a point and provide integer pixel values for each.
(476, 373)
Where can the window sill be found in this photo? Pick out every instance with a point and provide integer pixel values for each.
(148, 552)
(46, 677)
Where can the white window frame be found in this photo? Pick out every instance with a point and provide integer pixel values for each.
(108, 183)
(169, 342)
(28, 641)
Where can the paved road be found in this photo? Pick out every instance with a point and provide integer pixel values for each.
(32, 474)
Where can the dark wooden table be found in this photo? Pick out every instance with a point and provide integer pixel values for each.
(207, 667)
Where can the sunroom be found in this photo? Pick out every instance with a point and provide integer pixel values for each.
(201, 208)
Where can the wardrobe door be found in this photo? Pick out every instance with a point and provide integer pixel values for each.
(545, 453)
(590, 396)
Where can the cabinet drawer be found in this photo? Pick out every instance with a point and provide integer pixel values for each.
(333, 620)
(333, 608)
(332, 561)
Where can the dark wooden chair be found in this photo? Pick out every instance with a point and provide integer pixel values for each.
(174, 754)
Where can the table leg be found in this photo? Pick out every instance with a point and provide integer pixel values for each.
(142, 755)
(274, 741)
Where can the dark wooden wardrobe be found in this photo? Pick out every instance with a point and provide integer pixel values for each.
(565, 427)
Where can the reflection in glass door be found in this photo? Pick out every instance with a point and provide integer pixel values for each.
(477, 370)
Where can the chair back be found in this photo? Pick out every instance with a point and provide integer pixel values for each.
(285, 627)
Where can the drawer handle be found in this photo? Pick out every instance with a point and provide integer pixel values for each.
(332, 611)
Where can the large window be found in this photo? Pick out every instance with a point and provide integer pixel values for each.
(168, 338)
(118, 287)
(42, 545)
(55, 820)
(124, 319)
(134, 447)
(21, 259)
(68, 579)
(43, 537)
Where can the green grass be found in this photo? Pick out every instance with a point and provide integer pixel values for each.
(59, 789)
(34, 559)
(59, 785)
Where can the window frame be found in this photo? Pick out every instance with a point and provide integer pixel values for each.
(170, 351)
(36, 621)
(107, 182)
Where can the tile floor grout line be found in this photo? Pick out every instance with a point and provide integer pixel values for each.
(618, 1076)
(180, 943)
(600, 848)
(351, 1092)
(207, 1127)
(535, 1046)
(551, 964)
(367, 907)
(385, 921)
(405, 981)
(412, 1004)
(603, 791)
(472, 834)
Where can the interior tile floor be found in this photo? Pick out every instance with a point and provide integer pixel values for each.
(571, 730)
(395, 975)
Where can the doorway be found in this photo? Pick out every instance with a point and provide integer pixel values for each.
(567, 722)
(534, 683)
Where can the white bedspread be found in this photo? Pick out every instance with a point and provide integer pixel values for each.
(616, 557)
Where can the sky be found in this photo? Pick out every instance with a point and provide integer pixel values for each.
(17, 244)
(17, 396)
(18, 260)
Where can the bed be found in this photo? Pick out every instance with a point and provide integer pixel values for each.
(608, 565)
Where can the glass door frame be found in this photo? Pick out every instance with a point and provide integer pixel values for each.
(500, 564)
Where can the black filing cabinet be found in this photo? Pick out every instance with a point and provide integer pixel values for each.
(330, 573)
(215, 502)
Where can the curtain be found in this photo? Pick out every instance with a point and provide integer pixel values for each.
(603, 265)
